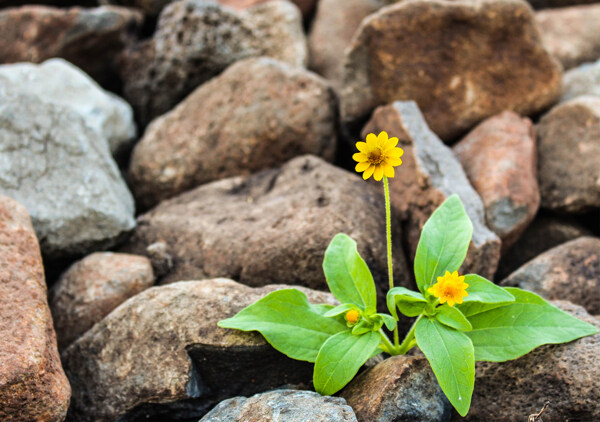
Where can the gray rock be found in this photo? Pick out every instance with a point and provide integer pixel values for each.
(63, 173)
(285, 405)
(582, 80)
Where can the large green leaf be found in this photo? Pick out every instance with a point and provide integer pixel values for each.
(288, 322)
(511, 331)
(453, 318)
(348, 275)
(451, 356)
(483, 295)
(409, 302)
(340, 358)
(444, 242)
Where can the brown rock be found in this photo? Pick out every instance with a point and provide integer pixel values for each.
(542, 4)
(401, 388)
(429, 174)
(163, 346)
(571, 34)
(305, 6)
(568, 156)
(88, 38)
(499, 158)
(33, 386)
(92, 288)
(570, 272)
(461, 61)
(225, 128)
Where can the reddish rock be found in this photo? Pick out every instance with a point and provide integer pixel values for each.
(430, 173)
(93, 287)
(568, 156)
(461, 61)
(33, 386)
(499, 158)
(571, 34)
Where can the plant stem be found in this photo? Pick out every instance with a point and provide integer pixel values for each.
(388, 347)
(388, 232)
(409, 340)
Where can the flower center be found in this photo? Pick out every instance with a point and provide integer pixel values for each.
(375, 156)
(352, 316)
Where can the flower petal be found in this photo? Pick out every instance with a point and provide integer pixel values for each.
(393, 161)
(388, 171)
(361, 146)
(382, 138)
(371, 139)
(395, 152)
(359, 156)
(391, 143)
(362, 166)
(368, 172)
(378, 174)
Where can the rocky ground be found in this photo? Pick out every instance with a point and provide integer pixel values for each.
(165, 163)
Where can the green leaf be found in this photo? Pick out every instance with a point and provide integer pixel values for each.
(288, 322)
(444, 242)
(348, 275)
(409, 302)
(340, 358)
(388, 320)
(453, 318)
(340, 309)
(451, 356)
(513, 330)
(482, 291)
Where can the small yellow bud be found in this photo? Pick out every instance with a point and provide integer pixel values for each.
(352, 316)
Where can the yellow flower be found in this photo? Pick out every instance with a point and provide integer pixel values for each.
(450, 288)
(352, 316)
(378, 156)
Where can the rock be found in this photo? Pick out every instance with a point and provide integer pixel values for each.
(429, 174)
(91, 288)
(542, 4)
(293, 406)
(33, 386)
(571, 34)
(582, 80)
(58, 82)
(271, 227)
(455, 91)
(163, 346)
(88, 38)
(162, 261)
(226, 128)
(568, 156)
(305, 6)
(570, 272)
(62, 171)
(499, 158)
(401, 388)
(568, 375)
(195, 41)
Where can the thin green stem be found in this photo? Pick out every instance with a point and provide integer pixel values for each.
(388, 347)
(388, 232)
(409, 341)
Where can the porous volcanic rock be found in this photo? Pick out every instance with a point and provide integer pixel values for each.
(163, 346)
(582, 80)
(401, 388)
(292, 405)
(570, 271)
(271, 227)
(33, 386)
(571, 34)
(91, 288)
(568, 155)
(195, 41)
(430, 173)
(461, 61)
(227, 128)
(499, 158)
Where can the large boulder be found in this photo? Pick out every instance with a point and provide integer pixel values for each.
(461, 61)
(33, 386)
(582, 80)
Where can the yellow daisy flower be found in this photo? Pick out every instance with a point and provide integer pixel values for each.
(378, 156)
(450, 288)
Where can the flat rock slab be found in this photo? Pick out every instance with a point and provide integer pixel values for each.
(284, 405)
(500, 160)
(257, 114)
(33, 386)
(163, 346)
(430, 173)
(582, 80)
(457, 78)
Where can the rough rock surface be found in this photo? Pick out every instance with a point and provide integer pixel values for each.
(570, 272)
(91, 288)
(568, 375)
(288, 405)
(571, 34)
(164, 346)
(429, 174)
(33, 386)
(458, 78)
(542, 4)
(195, 41)
(62, 171)
(568, 155)
(88, 38)
(58, 82)
(401, 388)
(582, 80)
(270, 227)
(225, 128)
(499, 158)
